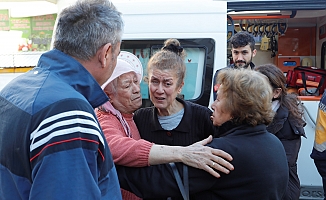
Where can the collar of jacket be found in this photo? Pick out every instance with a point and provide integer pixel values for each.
(184, 125)
(73, 73)
(243, 129)
(280, 118)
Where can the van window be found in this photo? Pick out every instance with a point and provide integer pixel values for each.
(196, 66)
(195, 62)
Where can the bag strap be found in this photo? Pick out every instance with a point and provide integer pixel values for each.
(321, 82)
(289, 75)
(184, 187)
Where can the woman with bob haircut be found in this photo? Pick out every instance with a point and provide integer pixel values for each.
(242, 111)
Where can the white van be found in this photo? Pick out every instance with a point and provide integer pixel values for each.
(201, 27)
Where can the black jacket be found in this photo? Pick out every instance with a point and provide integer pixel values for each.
(260, 171)
(194, 126)
(285, 128)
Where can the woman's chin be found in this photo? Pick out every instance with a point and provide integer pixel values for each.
(159, 105)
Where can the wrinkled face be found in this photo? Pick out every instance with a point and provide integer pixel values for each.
(163, 88)
(242, 56)
(220, 115)
(127, 98)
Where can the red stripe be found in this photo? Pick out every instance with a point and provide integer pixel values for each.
(63, 141)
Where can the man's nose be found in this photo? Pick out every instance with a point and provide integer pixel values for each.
(240, 57)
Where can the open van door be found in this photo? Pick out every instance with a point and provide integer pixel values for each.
(298, 28)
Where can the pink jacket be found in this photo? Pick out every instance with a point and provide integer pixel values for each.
(128, 151)
(131, 152)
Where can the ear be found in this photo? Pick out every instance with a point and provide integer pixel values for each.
(181, 86)
(104, 53)
(277, 92)
(111, 97)
(254, 52)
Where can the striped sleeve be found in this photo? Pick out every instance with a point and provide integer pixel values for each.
(68, 152)
(65, 129)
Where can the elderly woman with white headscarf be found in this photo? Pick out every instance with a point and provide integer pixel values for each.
(121, 133)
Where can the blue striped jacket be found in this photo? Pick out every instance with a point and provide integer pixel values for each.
(51, 144)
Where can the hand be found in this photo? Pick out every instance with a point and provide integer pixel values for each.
(203, 157)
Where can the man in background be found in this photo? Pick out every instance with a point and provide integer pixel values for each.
(243, 50)
(51, 144)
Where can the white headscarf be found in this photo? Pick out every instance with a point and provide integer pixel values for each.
(127, 62)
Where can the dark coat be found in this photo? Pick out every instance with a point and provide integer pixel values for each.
(260, 171)
(284, 127)
(194, 126)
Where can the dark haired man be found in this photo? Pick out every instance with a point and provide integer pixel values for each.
(243, 50)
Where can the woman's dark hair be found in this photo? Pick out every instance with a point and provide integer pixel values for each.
(278, 80)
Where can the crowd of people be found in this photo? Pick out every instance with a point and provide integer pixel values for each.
(76, 131)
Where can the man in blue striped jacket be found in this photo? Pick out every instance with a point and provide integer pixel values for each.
(51, 144)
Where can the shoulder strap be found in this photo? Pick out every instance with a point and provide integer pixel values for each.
(321, 82)
(184, 187)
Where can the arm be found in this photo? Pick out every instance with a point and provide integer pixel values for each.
(138, 153)
(69, 156)
(158, 181)
(125, 151)
(196, 155)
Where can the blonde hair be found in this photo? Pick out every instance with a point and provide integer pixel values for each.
(170, 57)
(249, 96)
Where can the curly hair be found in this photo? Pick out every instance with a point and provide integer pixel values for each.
(278, 80)
(248, 95)
(170, 57)
(242, 39)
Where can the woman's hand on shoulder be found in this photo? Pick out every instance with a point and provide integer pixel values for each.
(209, 159)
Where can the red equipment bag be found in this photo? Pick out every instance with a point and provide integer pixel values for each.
(303, 77)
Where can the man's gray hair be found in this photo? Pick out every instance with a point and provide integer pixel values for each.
(86, 26)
